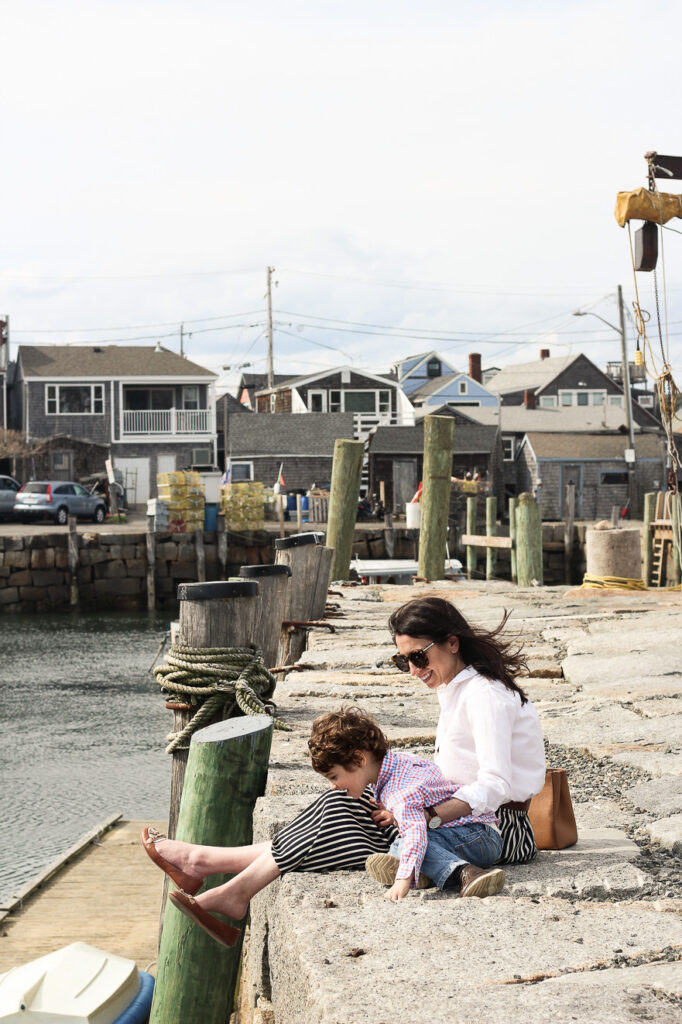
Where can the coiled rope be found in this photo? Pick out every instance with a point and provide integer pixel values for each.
(211, 677)
(611, 583)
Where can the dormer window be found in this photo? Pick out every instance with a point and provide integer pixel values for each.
(433, 368)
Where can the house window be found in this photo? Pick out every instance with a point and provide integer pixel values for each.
(317, 401)
(508, 448)
(145, 399)
(566, 398)
(616, 400)
(273, 405)
(597, 398)
(613, 478)
(190, 396)
(74, 399)
(462, 387)
(583, 398)
(645, 401)
(335, 401)
(359, 401)
(384, 401)
(241, 471)
(547, 401)
(433, 368)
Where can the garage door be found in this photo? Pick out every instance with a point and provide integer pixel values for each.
(136, 479)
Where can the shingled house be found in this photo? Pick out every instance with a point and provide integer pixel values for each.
(396, 457)
(594, 463)
(302, 445)
(154, 408)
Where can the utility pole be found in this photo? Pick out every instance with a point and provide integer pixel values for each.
(182, 340)
(632, 481)
(270, 272)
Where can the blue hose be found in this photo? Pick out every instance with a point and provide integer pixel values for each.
(138, 1010)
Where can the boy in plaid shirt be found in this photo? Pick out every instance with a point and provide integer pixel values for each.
(352, 752)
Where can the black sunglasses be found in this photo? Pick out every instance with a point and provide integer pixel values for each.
(418, 658)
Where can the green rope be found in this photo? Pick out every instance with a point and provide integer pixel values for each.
(208, 678)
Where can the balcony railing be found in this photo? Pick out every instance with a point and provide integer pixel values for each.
(166, 421)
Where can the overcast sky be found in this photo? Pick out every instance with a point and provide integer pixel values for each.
(446, 171)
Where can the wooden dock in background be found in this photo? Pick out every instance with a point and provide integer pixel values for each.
(107, 895)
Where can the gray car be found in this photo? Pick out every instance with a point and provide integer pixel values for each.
(8, 489)
(58, 499)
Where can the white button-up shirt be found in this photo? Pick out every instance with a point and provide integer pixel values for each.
(488, 742)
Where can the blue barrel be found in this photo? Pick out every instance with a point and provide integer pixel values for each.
(210, 516)
(304, 503)
(291, 502)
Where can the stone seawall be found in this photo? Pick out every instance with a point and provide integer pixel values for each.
(112, 567)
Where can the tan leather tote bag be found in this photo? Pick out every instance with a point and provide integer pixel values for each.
(551, 813)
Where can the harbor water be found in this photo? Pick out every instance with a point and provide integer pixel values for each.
(83, 727)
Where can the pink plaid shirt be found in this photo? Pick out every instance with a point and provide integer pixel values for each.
(407, 784)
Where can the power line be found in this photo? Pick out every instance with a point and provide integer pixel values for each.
(134, 327)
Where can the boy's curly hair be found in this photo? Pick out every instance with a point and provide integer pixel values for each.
(337, 737)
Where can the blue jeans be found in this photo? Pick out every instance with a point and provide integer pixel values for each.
(450, 848)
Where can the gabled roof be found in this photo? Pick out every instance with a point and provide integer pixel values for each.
(470, 439)
(417, 361)
(89, 361)
(517, 419)
(432, 385)
(283, 434)
(576, 447)
(531, 376)
(310, 378)
(260, 380)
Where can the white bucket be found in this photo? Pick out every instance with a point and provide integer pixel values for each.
(413, 515)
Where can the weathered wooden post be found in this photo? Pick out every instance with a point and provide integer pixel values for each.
(273, 587)
(151, 563)
(439, 433)
(676, 553)
(222, 546)
(73, 560)
(226, 772)
(512, 537)
(647, 536)
(491, 531)
(299, 513)
(310, 563)
(528, 541)
(280, 513)
(343, 503)
(569, 515)
(211, 615)
(472, 554)
(201, 555)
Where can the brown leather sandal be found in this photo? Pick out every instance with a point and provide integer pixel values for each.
(188, 883)
(223, 933)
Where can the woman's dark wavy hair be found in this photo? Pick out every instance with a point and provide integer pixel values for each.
(437, 619)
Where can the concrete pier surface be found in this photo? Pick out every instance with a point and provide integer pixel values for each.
(592, 933)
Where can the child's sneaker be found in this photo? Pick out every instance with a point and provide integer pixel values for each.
(480, 882)
(384, 868)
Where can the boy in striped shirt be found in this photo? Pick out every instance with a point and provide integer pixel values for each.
(352, 752)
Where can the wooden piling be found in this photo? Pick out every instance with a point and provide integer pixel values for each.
(151, 563)
(73, 560)
(528, 541)
(310, 563)
(280, 514)
(222, 546)
(471, 553)
(439, 432)
(226, 772)
(512, 537)
(647, 536)
(273, 591)
(299, 513)
(569, 515)
(491, 531)
(675, 518)
(201, 555)
(343, 503)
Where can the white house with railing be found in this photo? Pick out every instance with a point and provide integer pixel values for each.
(154, 408)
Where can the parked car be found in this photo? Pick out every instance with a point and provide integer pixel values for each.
(8, 489)
(58, 499)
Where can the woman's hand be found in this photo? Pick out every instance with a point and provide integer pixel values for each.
(383, 817)
(398, 890)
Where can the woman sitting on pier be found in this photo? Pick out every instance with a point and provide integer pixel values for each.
(488, 740)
